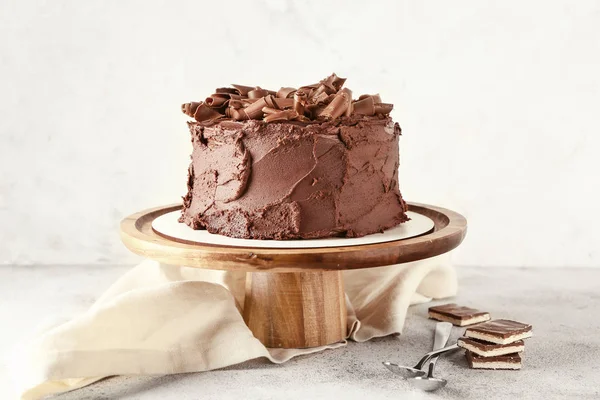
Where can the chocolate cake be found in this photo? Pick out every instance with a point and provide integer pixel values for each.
(293, 164)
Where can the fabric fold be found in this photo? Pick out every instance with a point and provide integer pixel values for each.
(161, 319)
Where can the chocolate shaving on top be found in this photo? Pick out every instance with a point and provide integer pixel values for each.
(365, 106)
(326, 100)
(286, 92)
(338, 106)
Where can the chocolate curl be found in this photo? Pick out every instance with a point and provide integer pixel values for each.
(205, 113)
(339, 105)
(189, 108)
(333, 83)
(257, 93)
(286, 92)
(318, 93)
(226, 90)
(383, 108)
(322, 98)
(270, 101)
(269, 110)
(216, 100)
(376, 98)
(299, 101)
(283, 103)
(254, 110)
(275, 102)
(286, 115)
(243, 103)
(243, 90)
(350, 109)
(366, 106)
(237, 114)
(237, 104)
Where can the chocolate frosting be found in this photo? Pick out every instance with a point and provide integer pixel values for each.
(292, 164)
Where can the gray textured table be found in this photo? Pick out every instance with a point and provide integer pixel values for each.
(562, 360)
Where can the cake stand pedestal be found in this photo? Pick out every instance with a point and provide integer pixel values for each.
(294, 297)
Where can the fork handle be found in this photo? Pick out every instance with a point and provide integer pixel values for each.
(441, 336)
(434, 353)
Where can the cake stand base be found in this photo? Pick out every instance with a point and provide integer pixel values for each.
(294, 296)
(296, 309)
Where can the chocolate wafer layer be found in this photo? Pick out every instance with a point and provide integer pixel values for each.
(500, 331)
(486, 349)
(507, 361)
(458, 315)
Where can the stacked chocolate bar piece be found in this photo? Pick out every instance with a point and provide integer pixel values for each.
(491, 344)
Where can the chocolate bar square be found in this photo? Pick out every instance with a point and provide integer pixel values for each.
(507, 361)
(458, 315)
(486, 349)
(500, 331)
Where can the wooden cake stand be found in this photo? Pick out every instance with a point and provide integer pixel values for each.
(294, 297)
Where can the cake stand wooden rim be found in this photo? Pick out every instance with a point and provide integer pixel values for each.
(137, 235)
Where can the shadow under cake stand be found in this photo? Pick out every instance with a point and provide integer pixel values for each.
(294, 296)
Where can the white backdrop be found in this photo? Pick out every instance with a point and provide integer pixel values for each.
(499, 104)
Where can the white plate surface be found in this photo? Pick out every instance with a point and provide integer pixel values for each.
(167, 225)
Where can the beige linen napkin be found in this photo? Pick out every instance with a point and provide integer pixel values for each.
(160, 319)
